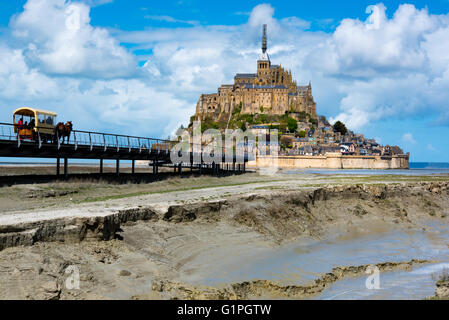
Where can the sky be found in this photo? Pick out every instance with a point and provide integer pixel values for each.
(138, 67)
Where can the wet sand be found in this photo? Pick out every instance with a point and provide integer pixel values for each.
(217, 236)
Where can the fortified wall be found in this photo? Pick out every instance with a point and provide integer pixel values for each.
(333, 161)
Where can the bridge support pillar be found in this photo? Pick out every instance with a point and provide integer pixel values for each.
(101, 166)
(180, 168)
(155, 166)
(117, 167)
(58, 166)
(233, 167)
(66, 168)
(244, 167)
(133, 167)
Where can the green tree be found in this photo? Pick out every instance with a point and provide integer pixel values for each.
(209, 124)
(302, 134)
(263, 118)
(340, 127)
(292, 124)
(313, 121)
(237, 109)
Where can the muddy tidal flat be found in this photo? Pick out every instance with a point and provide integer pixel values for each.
(292, 235)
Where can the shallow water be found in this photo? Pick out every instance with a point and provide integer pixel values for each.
(300, 263)
(414, 285)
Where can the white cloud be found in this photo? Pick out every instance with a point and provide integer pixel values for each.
(171, 19)
(58, 61)
(61, 40)
(262, 14)
(360, 50)
(195, 60)
(18, 81)
(96, 3)
(397, 69)
(361, 73)
(408, 138)
(127, 106)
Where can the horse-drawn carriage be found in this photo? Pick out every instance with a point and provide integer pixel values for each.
(34, 124)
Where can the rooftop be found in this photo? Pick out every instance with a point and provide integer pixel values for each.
(251, 86)
(245, 75)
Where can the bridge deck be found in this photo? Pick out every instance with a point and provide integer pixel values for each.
(94, 145)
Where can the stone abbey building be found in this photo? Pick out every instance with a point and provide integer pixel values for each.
(271, 90)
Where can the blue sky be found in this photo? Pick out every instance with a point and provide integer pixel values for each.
(130, 15)
(138, 66)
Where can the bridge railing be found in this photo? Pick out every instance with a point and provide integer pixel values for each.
(118, 142)
(7, 132)
(106, 141)
(90, 139)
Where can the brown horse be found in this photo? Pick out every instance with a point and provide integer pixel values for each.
(63, 130)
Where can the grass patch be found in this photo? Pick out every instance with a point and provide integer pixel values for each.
(144, 193)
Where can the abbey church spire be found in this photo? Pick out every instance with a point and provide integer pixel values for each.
(264, 39)
(264, 55)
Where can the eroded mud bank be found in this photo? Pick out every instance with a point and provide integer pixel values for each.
(281, 216)
(156, 253)
(71, 230)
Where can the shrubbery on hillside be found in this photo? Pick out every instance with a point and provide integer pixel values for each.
(292, 124)
(340, 127)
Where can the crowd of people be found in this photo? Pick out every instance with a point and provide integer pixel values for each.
(25, 125)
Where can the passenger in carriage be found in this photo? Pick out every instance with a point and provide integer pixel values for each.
(25, 126)
(32, 124)
(20, 124)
